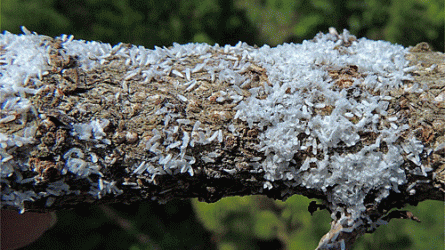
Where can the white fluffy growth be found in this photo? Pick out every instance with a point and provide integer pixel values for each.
(285, 116)
(298, 85)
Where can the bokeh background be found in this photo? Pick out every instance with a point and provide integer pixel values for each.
(253, 222)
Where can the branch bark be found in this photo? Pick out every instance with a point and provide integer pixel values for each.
(121, 127)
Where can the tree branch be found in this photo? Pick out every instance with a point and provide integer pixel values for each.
(334, 118)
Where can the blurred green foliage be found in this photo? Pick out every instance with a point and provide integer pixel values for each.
(142, 22)
(408, 234)
(144, 225)
(150, 22)
(256, 222)
(239, 222)
(405, 22)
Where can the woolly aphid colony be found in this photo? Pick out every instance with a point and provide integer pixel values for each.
(301, 108)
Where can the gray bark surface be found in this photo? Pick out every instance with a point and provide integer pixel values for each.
(132, 110)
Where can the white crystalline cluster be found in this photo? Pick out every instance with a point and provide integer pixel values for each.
(285, 110)
(285, 116)
(92, 130)
(23, 61)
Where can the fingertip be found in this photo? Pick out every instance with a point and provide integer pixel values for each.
(19, 230)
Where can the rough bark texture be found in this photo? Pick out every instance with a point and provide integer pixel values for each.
(107, 92)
